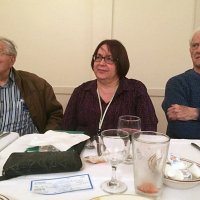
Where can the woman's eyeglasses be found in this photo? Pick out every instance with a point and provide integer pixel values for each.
(107, 59)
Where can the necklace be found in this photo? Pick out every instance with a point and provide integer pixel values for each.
(102, 116)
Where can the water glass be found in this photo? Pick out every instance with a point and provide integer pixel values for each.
(150, 152)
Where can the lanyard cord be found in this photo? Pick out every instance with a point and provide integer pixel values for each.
(103, 114)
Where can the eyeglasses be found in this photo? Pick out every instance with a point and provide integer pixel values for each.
(2, 53)
(107, 59)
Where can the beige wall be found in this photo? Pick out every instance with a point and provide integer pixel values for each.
(56, 39)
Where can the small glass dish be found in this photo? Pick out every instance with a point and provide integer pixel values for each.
(183, 184)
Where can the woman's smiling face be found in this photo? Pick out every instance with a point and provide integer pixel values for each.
(103, 67)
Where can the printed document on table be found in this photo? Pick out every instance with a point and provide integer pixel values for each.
(61, 185)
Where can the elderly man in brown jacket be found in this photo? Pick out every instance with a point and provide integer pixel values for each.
(27, 102)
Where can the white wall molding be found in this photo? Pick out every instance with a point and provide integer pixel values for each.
(101, 21)
(155, 92)
(63, 90)
(67, 90)
(197, 14)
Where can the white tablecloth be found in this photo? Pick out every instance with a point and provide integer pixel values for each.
(19, 188)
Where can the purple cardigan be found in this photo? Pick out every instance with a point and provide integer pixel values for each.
(131, 98)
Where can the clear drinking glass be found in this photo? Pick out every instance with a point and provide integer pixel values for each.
(131, 124)
(114, 148)
(150, 152)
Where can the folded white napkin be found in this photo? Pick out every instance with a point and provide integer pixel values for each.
(61, 140)
(8, 139)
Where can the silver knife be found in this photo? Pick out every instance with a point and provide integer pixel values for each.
(97, 138)
(196, 146)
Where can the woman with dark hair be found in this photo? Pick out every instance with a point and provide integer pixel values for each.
(97, 104)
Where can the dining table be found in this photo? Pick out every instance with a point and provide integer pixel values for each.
(19, 188)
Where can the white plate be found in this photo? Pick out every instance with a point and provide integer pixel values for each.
(120, 197)
(183, 184)
(2, 197)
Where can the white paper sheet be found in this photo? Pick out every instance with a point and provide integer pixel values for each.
(61, 140)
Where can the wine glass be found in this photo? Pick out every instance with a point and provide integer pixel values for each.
(131, 124)
(114, 148)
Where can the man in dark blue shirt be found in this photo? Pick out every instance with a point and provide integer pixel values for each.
(182, 98)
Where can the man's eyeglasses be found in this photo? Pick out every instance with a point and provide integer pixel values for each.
(107, 59)
(2, 53)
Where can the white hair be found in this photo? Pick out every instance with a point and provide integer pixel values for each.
(10, 46)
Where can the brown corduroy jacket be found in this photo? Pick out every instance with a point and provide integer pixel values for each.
(46, 112)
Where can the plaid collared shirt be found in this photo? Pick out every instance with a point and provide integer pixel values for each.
(14, 114)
